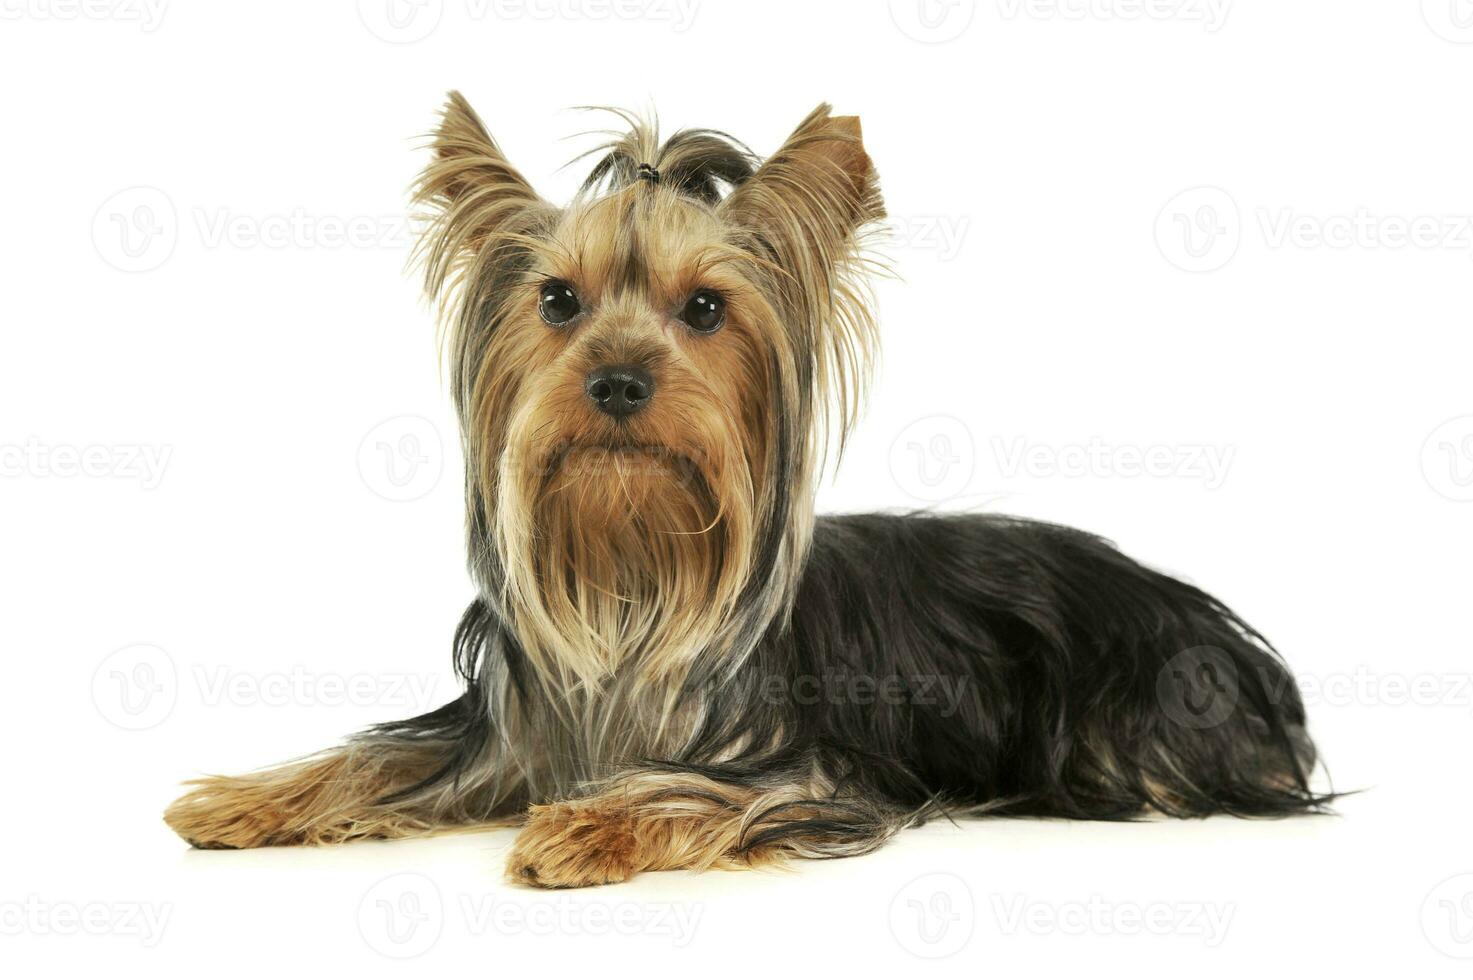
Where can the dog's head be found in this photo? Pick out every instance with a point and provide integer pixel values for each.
(647, 378)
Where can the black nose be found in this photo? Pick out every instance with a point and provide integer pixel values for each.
(620, 390)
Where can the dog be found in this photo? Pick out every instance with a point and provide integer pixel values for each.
(671, 662)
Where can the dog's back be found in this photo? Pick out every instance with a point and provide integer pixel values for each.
(1020, 667)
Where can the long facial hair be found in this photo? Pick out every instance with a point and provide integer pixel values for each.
(629, 567)
(644, 579)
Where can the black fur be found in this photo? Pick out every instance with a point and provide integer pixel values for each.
(699, 163)
(977, 664)
(920, 665)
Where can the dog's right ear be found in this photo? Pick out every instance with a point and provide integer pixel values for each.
(473, 197)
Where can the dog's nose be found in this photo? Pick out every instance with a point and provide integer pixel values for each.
(620, 390)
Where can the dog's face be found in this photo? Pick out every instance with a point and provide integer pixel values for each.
(628, 387)
(642, 377)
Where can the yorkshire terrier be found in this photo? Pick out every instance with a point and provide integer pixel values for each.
(671, 662)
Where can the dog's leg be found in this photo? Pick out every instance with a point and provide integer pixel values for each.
(331, 797)
(655, 820)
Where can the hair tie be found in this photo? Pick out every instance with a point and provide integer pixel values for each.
(646, 172)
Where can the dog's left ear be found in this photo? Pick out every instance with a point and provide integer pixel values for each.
(806, 210)
(809, 201)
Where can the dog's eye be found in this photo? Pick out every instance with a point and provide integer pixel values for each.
(558, 303)
(705, 311)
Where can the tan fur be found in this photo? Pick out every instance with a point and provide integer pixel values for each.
(623, 558)
(650, 822)
(646, 567)
(326, 799)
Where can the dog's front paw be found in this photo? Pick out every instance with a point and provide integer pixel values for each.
(571, 845)
(222, 813)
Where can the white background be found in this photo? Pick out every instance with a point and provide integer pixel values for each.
(1126, 230)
